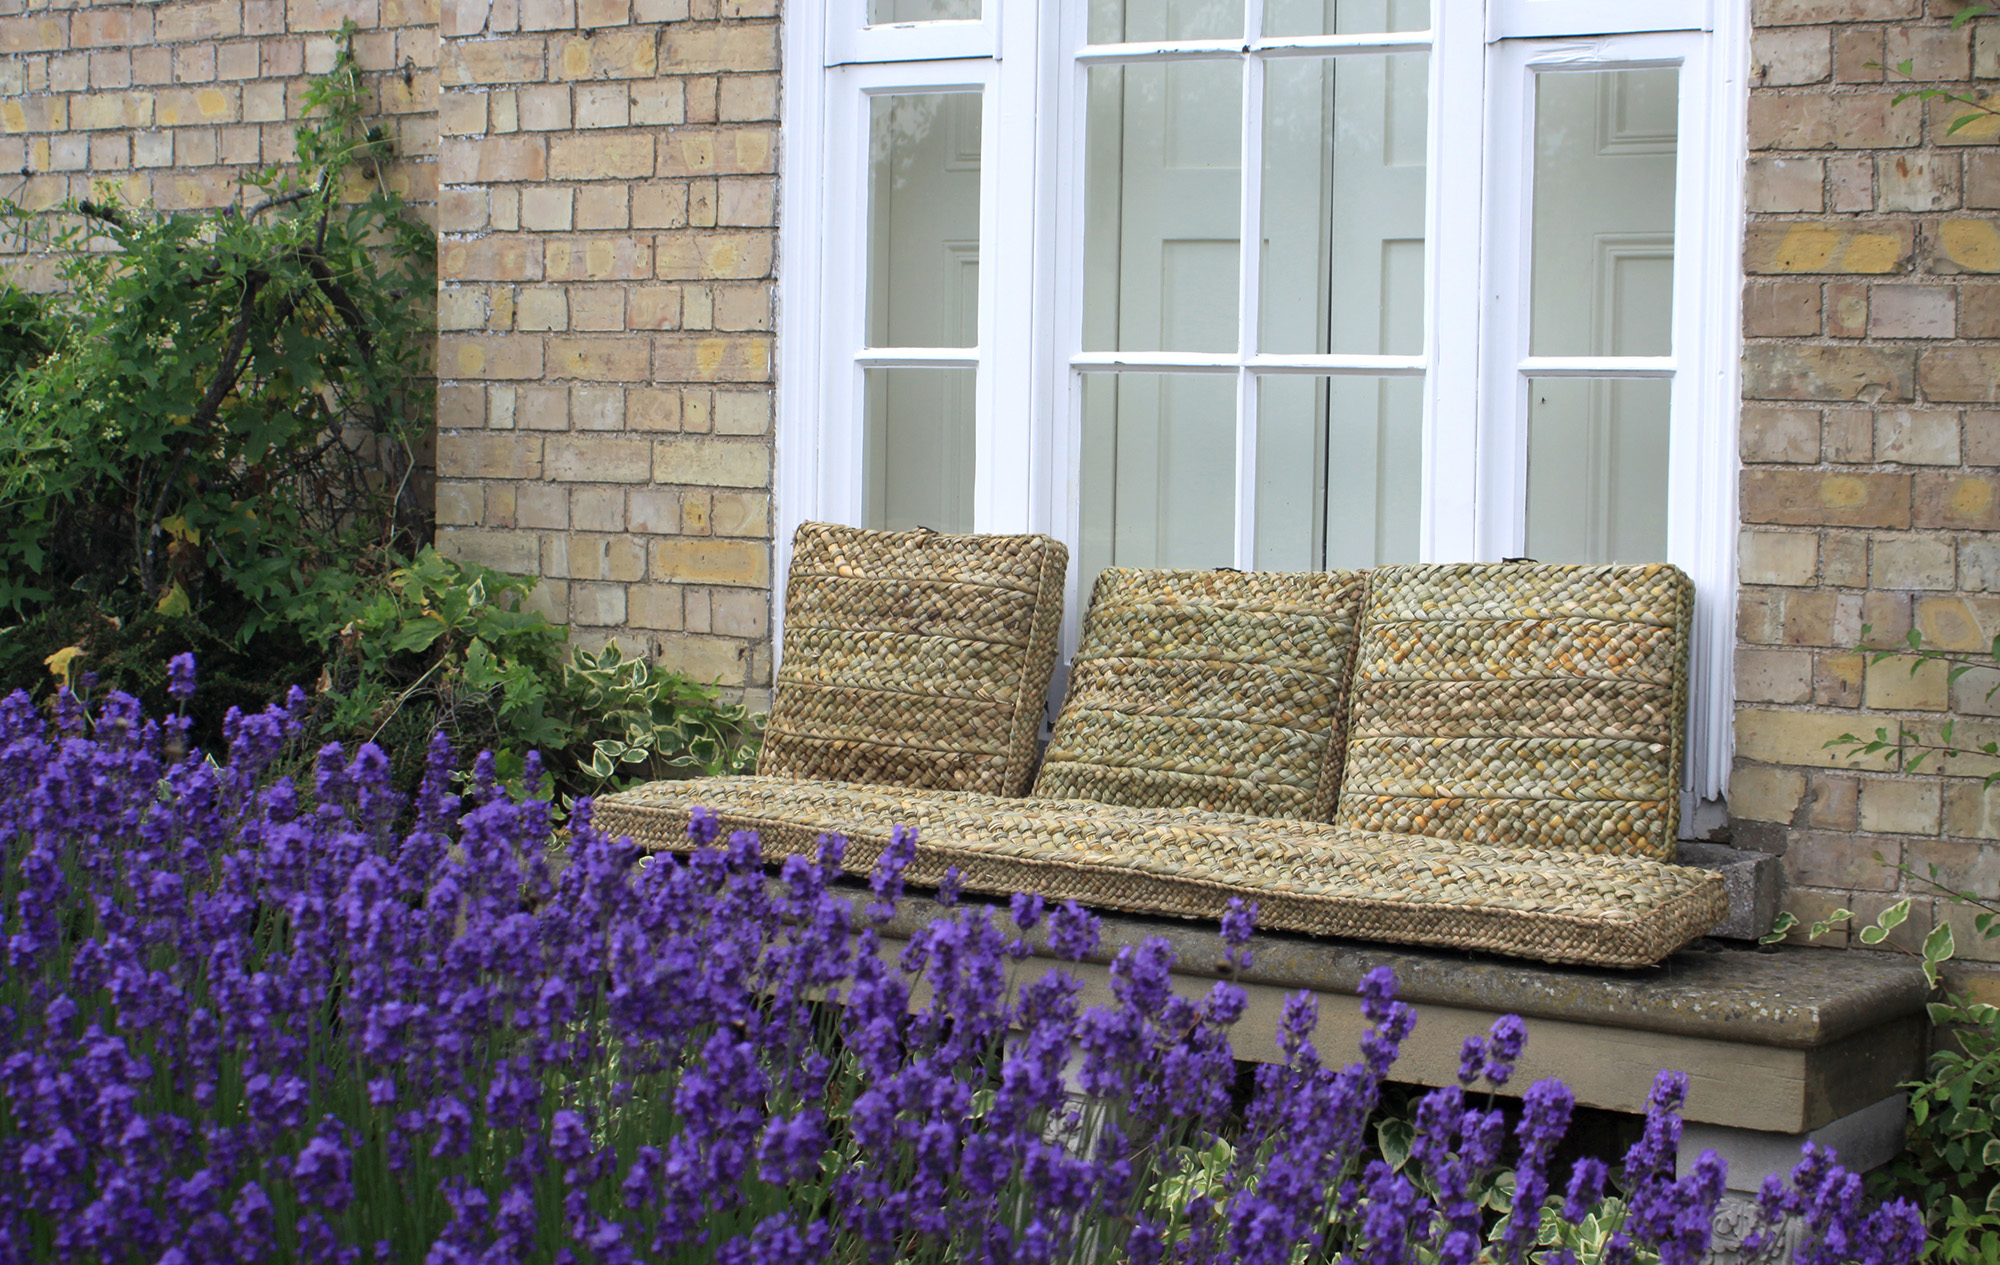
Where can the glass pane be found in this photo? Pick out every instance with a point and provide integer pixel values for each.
(1344, 172)
(923, 220)
(1162, 205)
(1339, 472)
(1159, 471)
(1605, 145)
(1149, 21)
(919, 449)
(881, 12)
(1597, 469)
(1344, 17)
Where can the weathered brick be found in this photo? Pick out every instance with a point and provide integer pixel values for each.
(493, 61)
(1871, 120)
(1917, 438)
(728, 49)
(1912, 311)
(492, 357)
(1803, 12)
(1788, 558)
(1774, 676)
(1869, 374)
(1957, 501)
(1966, 244)
(492, 160)
(1813, 498)
(1907, 684)
(1837, 679)
(488, 259)
(699, 460)
(711, 561)
(691, 358)
(1828, 248)
(600, 359)
(1917, 181)
(599, 259)
(615, 54)
(511, 551)
(1912, 562)
(489, 455)
(1776, 736)
(600, 459)
(627, 157)
(1960, 375)
(1761, 793)
(1781, 435)
(1781, 309)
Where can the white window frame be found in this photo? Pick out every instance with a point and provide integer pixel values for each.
(1031, 69)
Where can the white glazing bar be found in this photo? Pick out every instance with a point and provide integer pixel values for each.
(1179, 50)
(1598, 366)
(1343, 45)
(1284, 46)
(1220, 362)
(919, 358)
(1249, 304)
(1341, 366)
(1166, 361)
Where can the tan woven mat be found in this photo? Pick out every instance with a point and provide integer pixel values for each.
(1541, 707)
(915, 659)
(1319, 879)
(1208, 689)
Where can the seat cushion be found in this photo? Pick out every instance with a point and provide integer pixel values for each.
(1523, 705)
(915, 659)
(1208, 689)
(1305, 876)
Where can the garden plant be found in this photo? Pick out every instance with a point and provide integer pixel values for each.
(247, 1019)
(214, 437)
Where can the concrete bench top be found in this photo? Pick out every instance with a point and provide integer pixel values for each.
(1784, 1040)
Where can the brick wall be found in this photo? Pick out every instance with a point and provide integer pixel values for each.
(607, 213)
(1870, 446)
(172, 101)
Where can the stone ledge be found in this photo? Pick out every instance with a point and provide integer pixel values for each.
(1781, 1041)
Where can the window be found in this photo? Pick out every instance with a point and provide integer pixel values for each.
(1280, 284)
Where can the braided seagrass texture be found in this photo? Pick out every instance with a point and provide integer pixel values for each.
(1208, 689)
(915, 659)
(1307, 877)
(1522, 705)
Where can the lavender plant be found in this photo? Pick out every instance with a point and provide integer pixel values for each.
(248, 1020)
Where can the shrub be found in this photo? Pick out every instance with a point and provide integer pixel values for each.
(243, 1019)
(216, 404)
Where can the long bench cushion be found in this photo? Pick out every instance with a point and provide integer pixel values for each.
(1315, 878)
(915, 659)
(1540, 707)
(1208, 689)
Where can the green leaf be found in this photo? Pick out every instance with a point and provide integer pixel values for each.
(1938, 949)
(1779, 927)
(1394, 1136)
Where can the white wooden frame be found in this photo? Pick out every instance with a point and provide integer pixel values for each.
(1031, 68)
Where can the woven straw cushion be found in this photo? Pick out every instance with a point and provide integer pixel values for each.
(1208, 689)
(1532, 706)
(1315, 878)
(915, 659)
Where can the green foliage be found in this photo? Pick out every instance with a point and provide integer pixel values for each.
(433, 645)
(220, 403)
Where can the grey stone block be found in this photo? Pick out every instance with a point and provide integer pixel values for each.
(1751, 879)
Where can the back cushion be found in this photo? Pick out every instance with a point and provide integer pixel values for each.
(915, 659)
(1208, 689)
(1513, 703)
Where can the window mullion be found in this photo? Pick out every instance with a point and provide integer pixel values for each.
(1250, 239)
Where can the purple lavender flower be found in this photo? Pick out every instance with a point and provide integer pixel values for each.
(180, 677)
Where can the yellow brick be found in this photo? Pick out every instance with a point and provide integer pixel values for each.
(726, 49)
(1789, 737)
(492, 61)
(706, 561)
(1761, 793)
(709, 462)
(99, 110)
(628, 54)
(494, 357)
(628, 157)
(694, 358)
(600, 359)
(1900, 807)
(687, 256)
(599, 259)
(490, 455)
(599, 459)
(711, 660)
(1893, 687)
